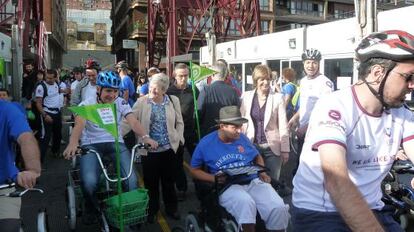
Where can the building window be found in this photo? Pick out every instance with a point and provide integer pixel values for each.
(304, 7)
(233, 28)
(282, 3)
(265, 25)
(264, 5)
(343, 14)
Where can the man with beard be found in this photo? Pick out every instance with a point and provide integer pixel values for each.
(353, 137)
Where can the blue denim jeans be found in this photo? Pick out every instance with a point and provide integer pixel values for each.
(304, 220)
(90, 170)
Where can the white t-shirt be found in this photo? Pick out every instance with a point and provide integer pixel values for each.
(310, 91)
(73, 85)
(52, 100)
(371, 144)
(93, 134)
(62, 87)
(89, 92)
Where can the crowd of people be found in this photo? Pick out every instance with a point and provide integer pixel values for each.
(332, 191)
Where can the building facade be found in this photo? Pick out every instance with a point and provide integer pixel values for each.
(88, 32)
(54, 17)
(130, 20)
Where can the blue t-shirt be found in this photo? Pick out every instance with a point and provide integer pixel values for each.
(127, 84)
(289, 89)
(12, 124)
(216, 155)
(144, 89)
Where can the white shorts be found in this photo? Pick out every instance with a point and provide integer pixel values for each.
(242, 201)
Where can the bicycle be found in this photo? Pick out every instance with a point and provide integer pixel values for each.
(135, 202)
(42, 221)
(398, 196)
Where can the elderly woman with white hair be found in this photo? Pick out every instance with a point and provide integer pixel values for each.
(160, 115)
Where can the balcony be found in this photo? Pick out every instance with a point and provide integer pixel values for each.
(138, 3)
(138, 29)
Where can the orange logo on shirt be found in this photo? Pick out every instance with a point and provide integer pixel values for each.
(240, 148)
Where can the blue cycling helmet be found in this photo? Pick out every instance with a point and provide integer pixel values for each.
(108, 79)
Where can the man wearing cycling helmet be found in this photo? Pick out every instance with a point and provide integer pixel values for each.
(96, 138)
(86, 88)
(352, 140)
(312, 87)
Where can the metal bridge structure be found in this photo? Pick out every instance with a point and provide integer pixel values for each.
(178, 27)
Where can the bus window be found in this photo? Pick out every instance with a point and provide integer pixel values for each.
(335, 68)
(248, 70)
(297, 65)
(237, 71)
(274, 65)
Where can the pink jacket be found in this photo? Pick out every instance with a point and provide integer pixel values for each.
(275, 122)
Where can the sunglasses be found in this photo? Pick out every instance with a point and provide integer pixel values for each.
(409, 77)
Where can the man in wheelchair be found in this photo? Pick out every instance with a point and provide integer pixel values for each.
(228, 148)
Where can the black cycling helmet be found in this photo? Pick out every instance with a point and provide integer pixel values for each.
(311, 54)
(92, 64)
(394, 45)
(122, 65)
(108, 79)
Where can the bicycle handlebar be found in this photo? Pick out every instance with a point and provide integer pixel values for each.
(84, 151)
(403, 168)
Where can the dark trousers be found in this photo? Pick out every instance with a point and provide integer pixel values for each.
(181, 178)
(46, 132)
(304, 220)
(158, 167)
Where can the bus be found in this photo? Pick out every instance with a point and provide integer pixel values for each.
(335, 40)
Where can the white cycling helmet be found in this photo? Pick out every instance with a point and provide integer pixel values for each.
(394, 45)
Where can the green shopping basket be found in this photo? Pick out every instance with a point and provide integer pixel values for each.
(135, 208)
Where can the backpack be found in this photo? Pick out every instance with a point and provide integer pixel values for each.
(42, 83)
(295, 97)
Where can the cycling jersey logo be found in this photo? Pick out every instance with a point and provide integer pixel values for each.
(362, 147)
(334, 114)
(240, 148)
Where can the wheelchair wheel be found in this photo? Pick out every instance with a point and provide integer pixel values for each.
(71, 204)
(191, 224)
(230, 226)
(42, 221)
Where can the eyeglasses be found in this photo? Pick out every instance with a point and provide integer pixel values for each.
(409, 77)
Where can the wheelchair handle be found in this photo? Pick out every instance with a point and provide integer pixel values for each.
(17, 193)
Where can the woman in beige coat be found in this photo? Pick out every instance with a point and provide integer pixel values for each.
(267, 125)
(160, 115)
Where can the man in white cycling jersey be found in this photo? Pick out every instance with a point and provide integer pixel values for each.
(96, 138)
(352, 140)
(312, 86)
